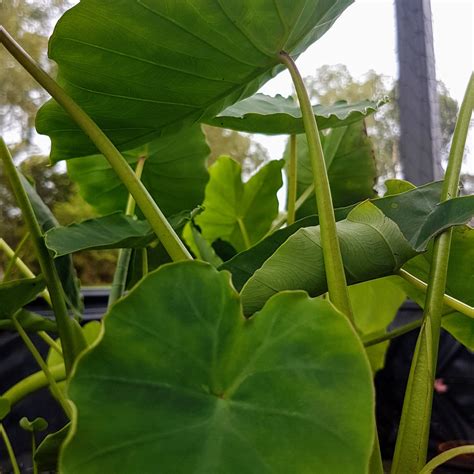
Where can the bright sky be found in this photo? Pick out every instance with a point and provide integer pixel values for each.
(364, 38)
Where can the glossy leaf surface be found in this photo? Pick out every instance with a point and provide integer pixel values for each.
(202, 389)
(174, 174)
(239, 213)
(282, 115)
(162, 64)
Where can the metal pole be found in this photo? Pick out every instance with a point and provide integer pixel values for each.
(420, 132)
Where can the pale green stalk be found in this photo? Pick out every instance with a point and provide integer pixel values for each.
(447, 300)
(277, 223)
(11, 264)
(123, 261)
(33, 383)
(413, 434)
(11, 453)
(446, 456)
(29, 274)
(292, 181)
(335, 275)
(72, 339)
(151, 211)
(58, 394)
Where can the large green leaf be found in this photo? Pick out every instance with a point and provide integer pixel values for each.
(239, 213)
(350, 163)
(372, 246)
(114, 231)
(16, 293)
(201, 389)
(175, 174)
(410, 210)
(279, 115)
(460, 282)
(142, 68)
(64, 265)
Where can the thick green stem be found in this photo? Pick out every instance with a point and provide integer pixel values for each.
(335, 275)
(44, 367)
(292, 179)
(447, 300)
(123, 261)
(11, 453)
(11, 264)
(413, 433)
(151, 211)
(32, 383)
(72, 339)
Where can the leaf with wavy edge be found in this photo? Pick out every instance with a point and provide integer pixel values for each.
(163, 64)
(174, 173)
(282, 115)
(202, 389)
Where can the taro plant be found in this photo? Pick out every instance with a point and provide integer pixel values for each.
(237, 339)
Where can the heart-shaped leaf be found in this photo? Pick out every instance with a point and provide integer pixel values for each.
(279, 115)
(113, 231)
(202, 389)
(239, 213)
(35, 426)
(162, 64)
(174, 173)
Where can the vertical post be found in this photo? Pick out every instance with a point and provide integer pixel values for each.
(420, 132)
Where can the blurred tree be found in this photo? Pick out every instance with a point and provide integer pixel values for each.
(30, 22)
(332, 83)
(242, 148)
